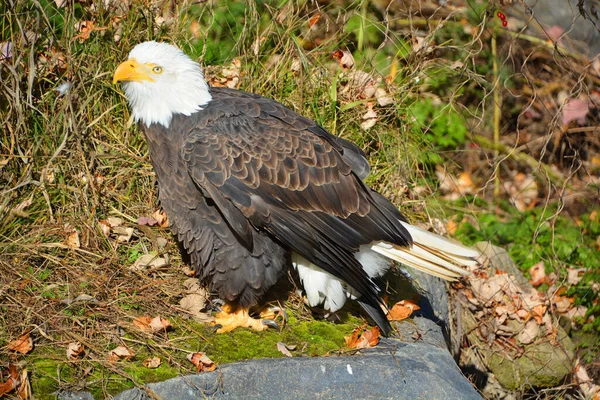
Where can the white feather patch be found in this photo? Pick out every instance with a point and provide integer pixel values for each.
(320, 286)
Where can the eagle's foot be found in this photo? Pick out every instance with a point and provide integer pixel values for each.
(273, 313)
(230, 318)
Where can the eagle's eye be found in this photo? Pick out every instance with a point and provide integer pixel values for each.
(157, 70)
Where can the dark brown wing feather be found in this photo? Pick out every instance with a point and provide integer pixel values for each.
(233, 271)
(269, 169)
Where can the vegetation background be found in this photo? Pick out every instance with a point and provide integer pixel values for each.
(476, 128)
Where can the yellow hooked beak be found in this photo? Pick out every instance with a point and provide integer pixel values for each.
(131, 70)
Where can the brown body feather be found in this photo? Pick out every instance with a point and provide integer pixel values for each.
(245, 181)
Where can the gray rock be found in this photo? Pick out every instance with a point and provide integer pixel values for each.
(579, 19)
(392, 370)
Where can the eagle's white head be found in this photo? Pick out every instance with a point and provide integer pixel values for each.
(159, 81)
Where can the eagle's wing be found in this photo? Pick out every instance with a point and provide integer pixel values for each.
(268, 168)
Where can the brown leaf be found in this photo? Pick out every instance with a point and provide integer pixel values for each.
(575, 275)
(149, 261)
(152, 363)
(454, 188)
(368, 338)
(12, 382)
(370, 117)
(113, 222)
(104, 227)
(147, 221)
(160, 216)
(143, 323)
(152, 325)
(202, 362)
(589, 388)
(383, 98)
(576, 312)
(24, 390)
(159, 325)
(285, 349)
(402, 310)
(575, 110)
(74, 351)
(538, 274)
(538, 313)
(72, 237)
(124, 233)
(120, 353)
(344, 58)
(562, 303)
(23, 344)
(86, 28)
(529, 332)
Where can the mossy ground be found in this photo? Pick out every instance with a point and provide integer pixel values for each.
(49, 371)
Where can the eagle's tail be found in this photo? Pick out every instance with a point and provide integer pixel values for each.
(431, 253)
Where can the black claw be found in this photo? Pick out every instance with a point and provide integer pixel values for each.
(219, 302)
(215, 305)
(280, 312)
(216, 327)
(271, 324)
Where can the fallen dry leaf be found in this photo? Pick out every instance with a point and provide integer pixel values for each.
(402, 310)
(228, 76)
(149, 261)
(120, 353)
(85, 29)
(529, 332)
(538, 274)
(24, 390)
(202, 362)
(152, 363)
(12, 382)
(6, 51)
(562, 303)
(538, 313)
(577, 312)
(370, 117)
(113, 222)
(344, 58)
(74, 351)
(124, 233)
(152, 325)
(147, 221)
(23, 344)
(454, 188)
(104, 227)
(383, 98)
(359, 85)
(575, 110)
(160, 216)
(575, 275)
(285, 349)
(159, 324)
(368, 338)
(590, 389)
(143, 323)
(193, 302)
(72, 236)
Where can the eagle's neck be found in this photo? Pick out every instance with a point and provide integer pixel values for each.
(157, 102)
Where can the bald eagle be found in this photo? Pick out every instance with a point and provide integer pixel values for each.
(252, 188)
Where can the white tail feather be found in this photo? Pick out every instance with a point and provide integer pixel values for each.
(430, 253)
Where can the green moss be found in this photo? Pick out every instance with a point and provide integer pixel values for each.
(50, 371)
